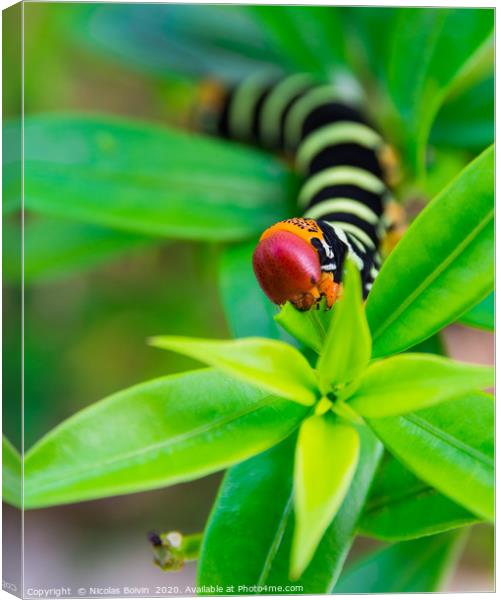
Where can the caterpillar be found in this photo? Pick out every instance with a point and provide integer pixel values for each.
(347, 169)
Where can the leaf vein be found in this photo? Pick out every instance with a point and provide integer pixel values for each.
(435, 274)
(451, 440)
(163, 445)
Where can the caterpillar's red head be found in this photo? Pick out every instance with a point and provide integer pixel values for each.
(287, 265)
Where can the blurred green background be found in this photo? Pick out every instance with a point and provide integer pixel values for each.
(85, 333)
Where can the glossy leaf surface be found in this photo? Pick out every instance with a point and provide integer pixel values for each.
(450, 447)
(410, 382)
(444, 264)
(417, 566)
(308, 327)
(147, 179)
(269, 364)
(257, 491)
(260, 491)
(402, 507)
(347, 347)
(174, 429)
(327, 454)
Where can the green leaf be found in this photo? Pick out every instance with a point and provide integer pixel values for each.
(442, 270)
(147, 179)
(159, 433)
(449, 446)
(478, 68)
(247, 310)
(467, 121)
(409, 382)
(481, 315)
(248, 520)
(347, 347)
(325, 568)
(310, 37)
(402, 507)
(11, 474)
(269, 364)
(327, 454)
(417, 566)
(166, 40)
(444, 164)
(368, 33)
(431, 345)
(54, 248)
(259, 491)
(308, 327)
(431, 49)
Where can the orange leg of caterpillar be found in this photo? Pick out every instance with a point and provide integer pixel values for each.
(329, 288)
(326, 288)
(307, 300)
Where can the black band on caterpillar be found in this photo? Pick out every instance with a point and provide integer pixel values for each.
(334, 147)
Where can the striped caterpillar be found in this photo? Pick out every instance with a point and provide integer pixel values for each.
(347, 169)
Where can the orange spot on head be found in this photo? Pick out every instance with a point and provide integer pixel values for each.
(306, 229)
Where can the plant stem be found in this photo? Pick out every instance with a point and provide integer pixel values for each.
(172, 549)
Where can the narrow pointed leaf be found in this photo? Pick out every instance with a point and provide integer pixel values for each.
(449, 446)
(260, 491)
(147, 179)
(444, 264)
(326, 458)
(327, 563)
(308, 327)
(417, 566)
(402, 507)
(347, 347)
(409, 382)
(11, 474)
(269, 364)
(173, 429)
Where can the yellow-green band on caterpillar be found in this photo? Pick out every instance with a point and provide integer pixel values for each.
(343, 205)
(339, 175)
(341, 157)
(336, 133)
(276, 103)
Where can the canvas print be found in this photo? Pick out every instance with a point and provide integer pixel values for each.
(248, 261)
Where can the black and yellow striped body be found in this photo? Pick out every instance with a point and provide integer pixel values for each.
(333, 146)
